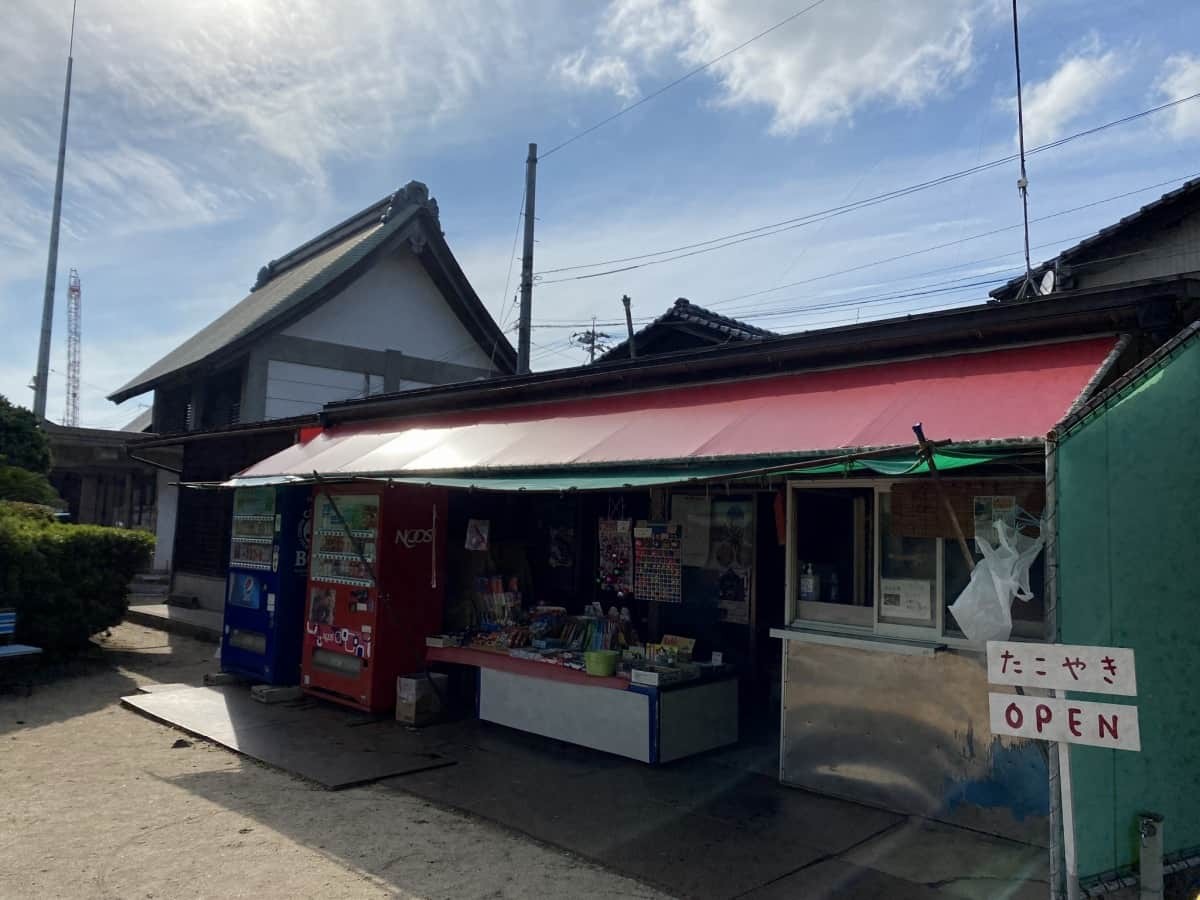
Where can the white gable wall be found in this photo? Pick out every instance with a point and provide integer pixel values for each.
(294, 389)
(394, 306)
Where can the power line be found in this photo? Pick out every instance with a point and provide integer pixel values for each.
(718, 243)
(924, 290)
(930, 289)
(680, 80)
(512, 256)
(963, 240)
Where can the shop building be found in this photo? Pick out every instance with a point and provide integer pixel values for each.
(776, 509)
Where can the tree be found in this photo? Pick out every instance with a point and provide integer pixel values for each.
(24, 486)
(22, 443)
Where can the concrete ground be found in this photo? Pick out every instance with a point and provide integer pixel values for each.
(109, 803)
(102, 802)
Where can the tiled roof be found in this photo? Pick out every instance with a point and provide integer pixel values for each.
(683, 312)
(1189, 191)
(287, 283)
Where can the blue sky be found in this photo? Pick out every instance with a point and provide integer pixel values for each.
(209, 137)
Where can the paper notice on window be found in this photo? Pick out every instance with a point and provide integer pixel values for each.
(693, 514)
(906, 598)
(990, 509)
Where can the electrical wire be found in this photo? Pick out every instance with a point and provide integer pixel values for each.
(680, 80)
(934, 288)
(684, 251)
(512, 256)
(974, 237)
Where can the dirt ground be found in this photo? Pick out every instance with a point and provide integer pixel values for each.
(102, 802)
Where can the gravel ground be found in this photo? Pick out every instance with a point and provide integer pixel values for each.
(100, 801)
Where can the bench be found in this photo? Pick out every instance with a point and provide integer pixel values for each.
(15, 654)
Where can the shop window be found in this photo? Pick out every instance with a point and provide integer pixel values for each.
(831, 561)
(908, 574)
(920, 571)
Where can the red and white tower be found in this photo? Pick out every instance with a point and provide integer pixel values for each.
(74, 295)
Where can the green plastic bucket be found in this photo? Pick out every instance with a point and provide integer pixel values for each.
(602, 663)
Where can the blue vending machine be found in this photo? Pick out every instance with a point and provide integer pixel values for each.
(268, 574)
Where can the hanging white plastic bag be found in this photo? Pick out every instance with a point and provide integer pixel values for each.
(984, 609)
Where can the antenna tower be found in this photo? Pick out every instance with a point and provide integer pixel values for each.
(74, 295)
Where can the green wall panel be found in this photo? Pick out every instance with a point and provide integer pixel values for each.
(1128, 483)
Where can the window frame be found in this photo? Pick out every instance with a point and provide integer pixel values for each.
(932, 634)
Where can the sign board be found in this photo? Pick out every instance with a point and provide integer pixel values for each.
(1063, 667)
(1108, 725)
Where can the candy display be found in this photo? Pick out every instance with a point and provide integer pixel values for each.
(615, 569)
(659, 566)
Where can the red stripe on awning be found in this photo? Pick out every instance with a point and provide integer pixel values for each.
(969, 398)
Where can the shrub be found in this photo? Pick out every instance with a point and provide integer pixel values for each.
(27, 487)
(67, 582)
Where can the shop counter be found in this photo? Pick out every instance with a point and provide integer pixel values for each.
(648, 724)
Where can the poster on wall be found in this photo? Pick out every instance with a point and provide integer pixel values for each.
(658, 565)
(616, 555)
(692, 514)
(477, 534)
(562, 547)
(906, 598)
(734, 595)
(731, 552)
(732, 533)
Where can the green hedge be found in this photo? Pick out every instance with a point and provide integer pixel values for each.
(67, 582)
(27, 487)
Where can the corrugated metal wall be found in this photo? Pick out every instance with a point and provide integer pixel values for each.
(1129, 576)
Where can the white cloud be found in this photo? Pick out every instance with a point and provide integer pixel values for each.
(1180, 77)
(174, 102)
(815, 71)
(608, 73)
(1076, 88)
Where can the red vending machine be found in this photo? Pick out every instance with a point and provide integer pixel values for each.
(375, 591)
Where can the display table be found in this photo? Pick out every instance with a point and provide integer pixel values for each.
(650, 724)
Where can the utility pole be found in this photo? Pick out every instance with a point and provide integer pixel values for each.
(629, 326)
(593, 340)
(527, 264)
(41, 378)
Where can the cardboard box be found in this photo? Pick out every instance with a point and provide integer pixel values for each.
(411, 688)
(418, 712)
(417, 703)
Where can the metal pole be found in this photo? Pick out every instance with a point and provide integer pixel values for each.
(928, 452)
(1150, 857)
(41, 378)
(629, 326)
(1023, 182)
(527, 264)
(1058, 833)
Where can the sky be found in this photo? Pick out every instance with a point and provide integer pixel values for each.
(209, 136)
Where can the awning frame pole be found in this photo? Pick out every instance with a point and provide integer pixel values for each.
(928, 453)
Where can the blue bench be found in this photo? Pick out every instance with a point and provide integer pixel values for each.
(10, 651)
